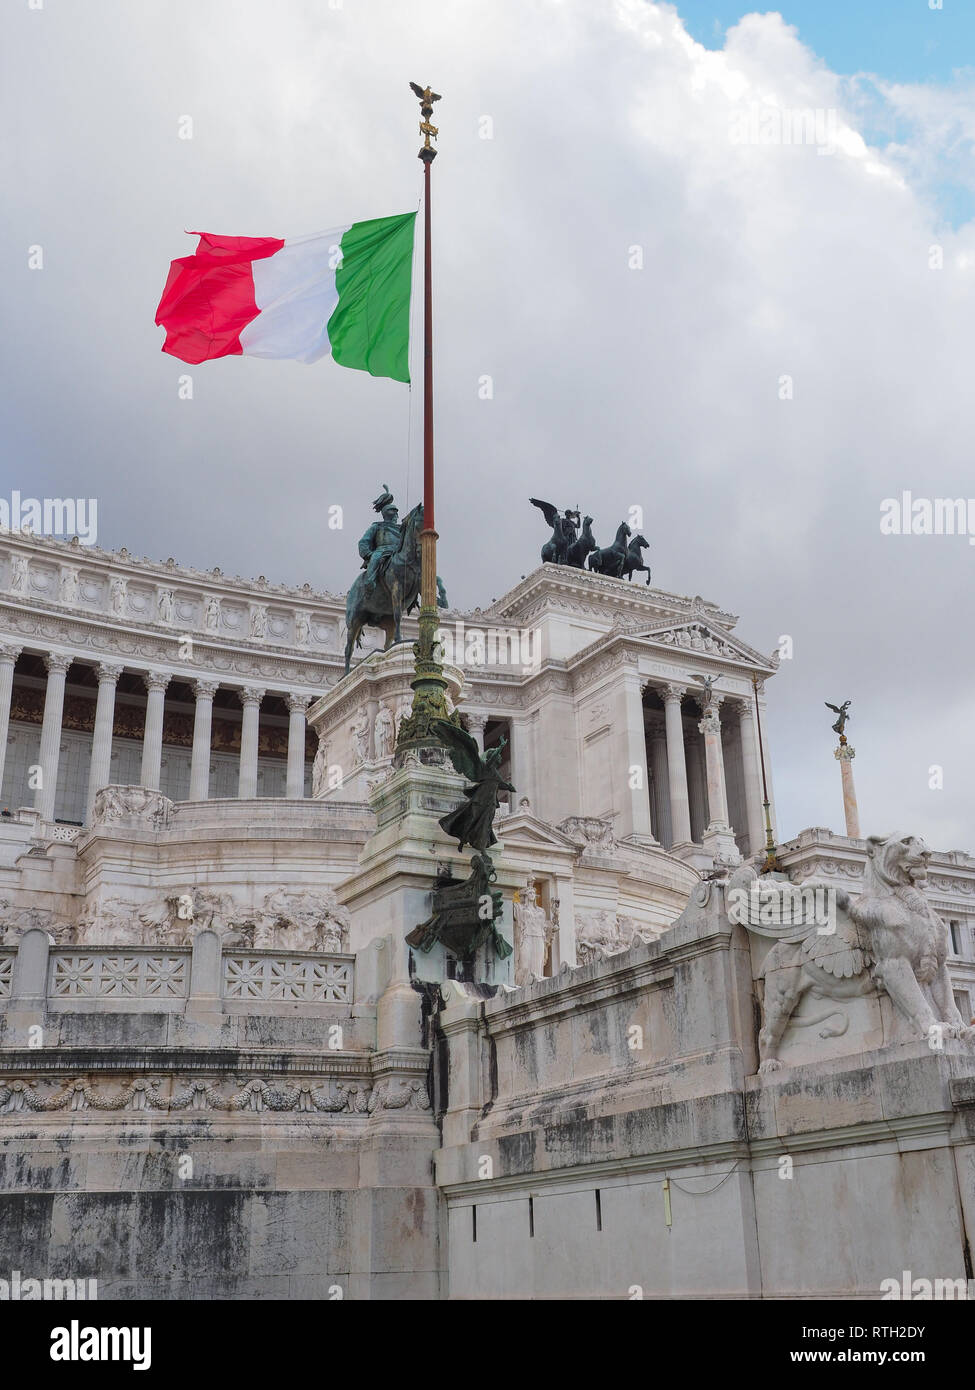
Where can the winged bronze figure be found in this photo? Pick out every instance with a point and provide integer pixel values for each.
(424, 93)
(842, 710)
(564, 531)
(471, 822)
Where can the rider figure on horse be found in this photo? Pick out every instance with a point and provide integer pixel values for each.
(382, 539)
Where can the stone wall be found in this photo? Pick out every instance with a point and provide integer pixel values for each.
(173, 1134)
(605, 1135)
(600, 1134)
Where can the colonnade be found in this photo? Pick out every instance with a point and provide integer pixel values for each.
(156, 683)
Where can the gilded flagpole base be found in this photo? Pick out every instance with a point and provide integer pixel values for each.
(416, 731)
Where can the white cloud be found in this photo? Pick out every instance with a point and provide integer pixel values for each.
(612, 386)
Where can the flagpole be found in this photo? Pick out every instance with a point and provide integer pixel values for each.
(429, 683)
(428, 536)
(771, 864)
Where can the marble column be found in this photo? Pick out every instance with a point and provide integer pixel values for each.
(636, 771)
(100, 770)
(8, 659)
(152, 739)
(57, 668)
(202, 722)
(710, 727)
(519, 764)
(251, 699)
(297, 704)
(719, 837)
(657, 739)
(476, 724)
(752, 770)
(845, 755)
(697, 785)
(680, 806)
(565, 944)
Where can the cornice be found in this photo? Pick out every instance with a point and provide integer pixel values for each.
(639, 615)
(170, 572)
(29, 625)
(560, 587)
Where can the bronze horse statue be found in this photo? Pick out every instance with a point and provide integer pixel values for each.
(634, 558)
(580, 548)
(612, 558)
(396, 591)
(621, 559)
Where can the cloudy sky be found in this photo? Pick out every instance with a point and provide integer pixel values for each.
(786, 358)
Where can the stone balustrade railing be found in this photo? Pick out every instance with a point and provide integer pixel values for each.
(38, 974)
(269, 975)
(110, 972)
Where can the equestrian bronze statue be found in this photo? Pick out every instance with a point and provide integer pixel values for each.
(390, 583)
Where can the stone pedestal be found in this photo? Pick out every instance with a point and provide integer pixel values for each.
(345, 720)
(390, 894)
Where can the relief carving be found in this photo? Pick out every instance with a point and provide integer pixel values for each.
(286, 920)
(117, 803)
(241, 1095)
(590, 832)
(604, 933)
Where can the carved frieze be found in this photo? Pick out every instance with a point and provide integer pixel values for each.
(132, 803)
(95, 637)
(604, 933)
(219, 1092)
(285, 919)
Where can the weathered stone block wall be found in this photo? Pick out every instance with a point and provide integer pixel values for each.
(576, 1164)
(200, 1146)
(296, 1210)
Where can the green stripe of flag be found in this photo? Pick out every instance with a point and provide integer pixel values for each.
(370, 326)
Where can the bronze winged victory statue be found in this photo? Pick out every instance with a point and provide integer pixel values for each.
(471, 822)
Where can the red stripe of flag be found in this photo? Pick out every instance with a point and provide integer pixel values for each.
(209, 296)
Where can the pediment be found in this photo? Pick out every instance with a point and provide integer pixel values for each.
(523, 830)
(697, 635)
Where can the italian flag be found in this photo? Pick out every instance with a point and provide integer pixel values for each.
(345, 292)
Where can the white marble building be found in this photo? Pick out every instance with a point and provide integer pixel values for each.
(118, 671)
(204, 898)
